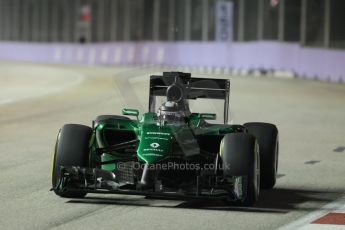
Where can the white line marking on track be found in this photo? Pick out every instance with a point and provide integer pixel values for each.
(6, 101)
(305, 222)
(77, 80)
(322, 227)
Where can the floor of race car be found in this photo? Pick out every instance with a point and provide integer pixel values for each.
(36, 100)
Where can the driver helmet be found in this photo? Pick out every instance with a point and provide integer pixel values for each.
(170, 112)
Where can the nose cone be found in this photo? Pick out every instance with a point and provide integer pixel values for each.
(155, 143)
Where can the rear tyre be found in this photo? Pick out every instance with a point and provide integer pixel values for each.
(71, 149)
(267, 136)
(240, 152)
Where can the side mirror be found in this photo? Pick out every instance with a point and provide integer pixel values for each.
(130, 112)
(208, 116)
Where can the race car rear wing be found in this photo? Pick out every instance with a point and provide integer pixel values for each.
(197, 88)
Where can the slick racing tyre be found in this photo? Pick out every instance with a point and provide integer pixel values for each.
(239, 151)
(267, 136)
(71, 149)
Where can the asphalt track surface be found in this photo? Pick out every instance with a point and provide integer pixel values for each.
(310, 116)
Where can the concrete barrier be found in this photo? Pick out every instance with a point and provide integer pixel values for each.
(311, 63)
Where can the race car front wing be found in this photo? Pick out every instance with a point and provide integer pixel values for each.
(94, 180)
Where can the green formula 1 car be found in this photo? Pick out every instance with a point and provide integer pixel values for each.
(169, 151)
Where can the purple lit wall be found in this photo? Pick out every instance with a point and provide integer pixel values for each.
(313, 63)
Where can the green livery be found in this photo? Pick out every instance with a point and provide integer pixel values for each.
(169, 150)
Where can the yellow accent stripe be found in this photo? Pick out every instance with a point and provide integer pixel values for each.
(53, 159)
(220, 148)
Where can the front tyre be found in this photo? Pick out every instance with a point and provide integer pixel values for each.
(267, 136)
(71, 149)
(240, 157)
